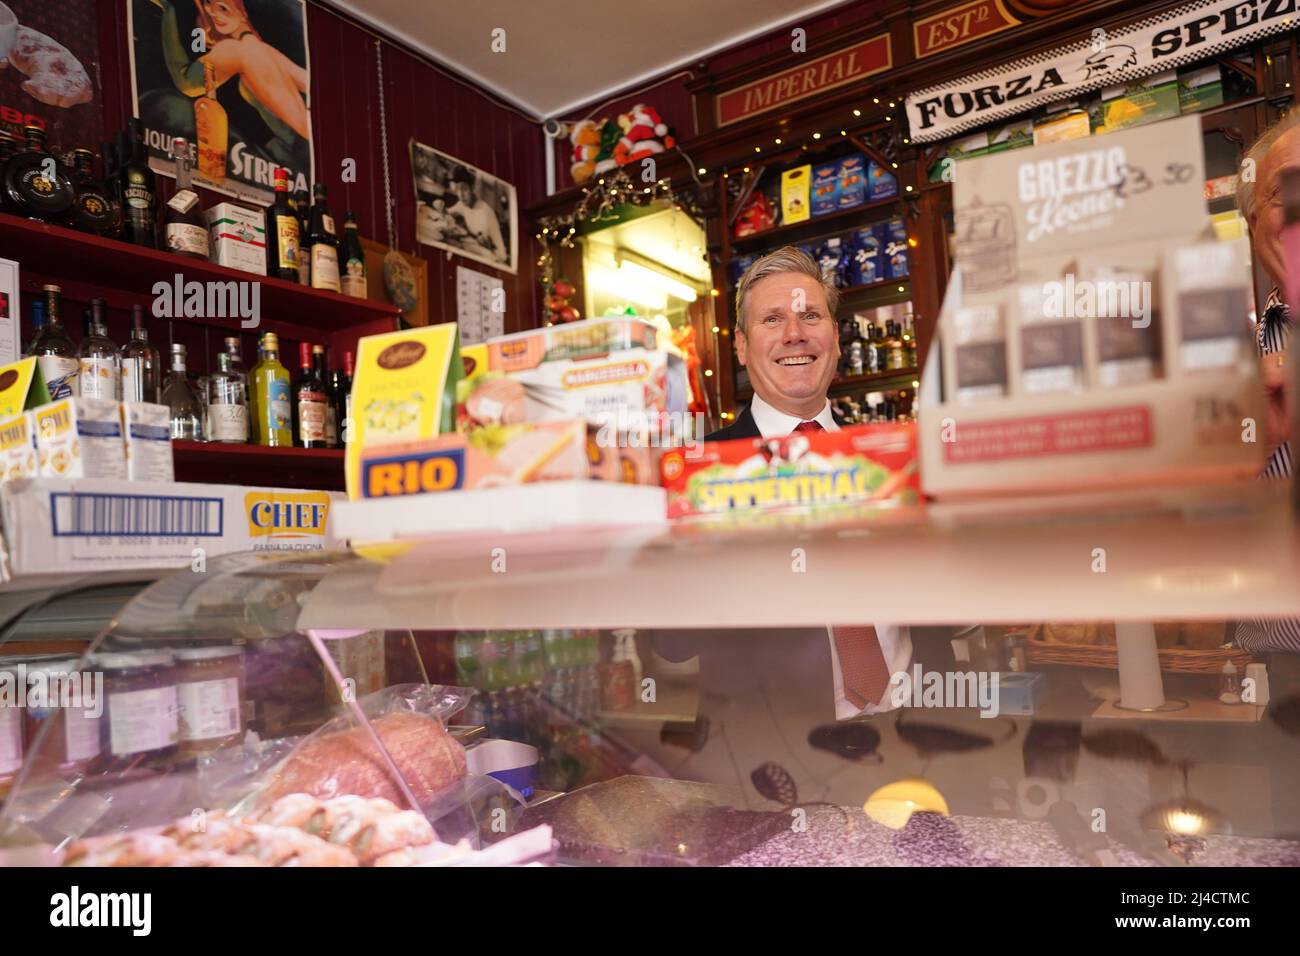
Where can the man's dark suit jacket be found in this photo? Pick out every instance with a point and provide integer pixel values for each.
(745, 427)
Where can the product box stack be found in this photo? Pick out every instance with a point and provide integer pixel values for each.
(1094, 333)
(582, 402)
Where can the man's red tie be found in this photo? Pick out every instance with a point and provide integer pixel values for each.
(862, 664)
(813, 426)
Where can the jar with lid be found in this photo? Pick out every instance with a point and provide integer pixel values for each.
(140, 688)
(11, 725)
(72, 704)
(210, 693)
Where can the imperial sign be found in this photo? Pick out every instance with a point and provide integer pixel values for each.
(1190, 32)
(789, 86)
(960, 25)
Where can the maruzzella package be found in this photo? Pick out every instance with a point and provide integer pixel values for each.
(863, 463)
(1091, 335)
(403, 393)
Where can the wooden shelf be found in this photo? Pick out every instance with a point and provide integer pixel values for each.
(225, 464)
(54, 252)
(812, 228)
(883, 284)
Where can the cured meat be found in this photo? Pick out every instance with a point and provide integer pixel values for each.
(54, 75)
(347, 762)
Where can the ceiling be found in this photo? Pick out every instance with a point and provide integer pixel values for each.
(562, 54)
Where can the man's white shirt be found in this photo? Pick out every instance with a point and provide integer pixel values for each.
(895, 640)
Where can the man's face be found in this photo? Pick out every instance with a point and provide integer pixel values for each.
(1267, 220)
(464, 192)
(790, 345)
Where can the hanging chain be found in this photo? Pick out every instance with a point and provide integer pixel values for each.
(383, 140)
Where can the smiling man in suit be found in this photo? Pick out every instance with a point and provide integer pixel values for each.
(787, 337)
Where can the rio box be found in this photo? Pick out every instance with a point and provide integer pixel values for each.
(804, 469)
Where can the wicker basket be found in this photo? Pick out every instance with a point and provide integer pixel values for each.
(1175, 660)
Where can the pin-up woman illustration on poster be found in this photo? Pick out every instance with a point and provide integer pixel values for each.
(269, 81)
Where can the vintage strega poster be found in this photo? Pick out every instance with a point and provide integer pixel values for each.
(231, 76)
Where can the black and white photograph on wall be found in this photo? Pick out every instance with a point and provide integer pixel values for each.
(462, 209)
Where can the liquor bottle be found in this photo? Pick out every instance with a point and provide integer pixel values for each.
(141, 363)
(321, 370)
(179, 396)
(228, 399)
(909, 342)
(100, 373)
(35, 183)
(323, 243)
(870, 348)
(352, 260)
(94, 210)
(212, 127)
(282, 233)
(54, 350)
(138, 196)
(38, 323)
(269, 396)
(304, 224)
(894, 354)
(340, 390)
(313, 403)
(184, 231)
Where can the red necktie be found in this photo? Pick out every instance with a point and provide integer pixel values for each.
(862, 664)
(813, 426)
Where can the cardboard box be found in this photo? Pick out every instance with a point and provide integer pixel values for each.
(1058, 127)
(80, 438)
(893, 243)
(58, 525)
(881, 183)
(1014, 135)
(146, 430)
(852, 186)
(238, 236)
(795, 193)
(404, 390)
(487, 457)
(1142, 101)
(1200, 88)
(1127, 280)
(1020, 692)
(875, 463)
(18, 447)
(866, 262)
(590, 338)
(825, 188)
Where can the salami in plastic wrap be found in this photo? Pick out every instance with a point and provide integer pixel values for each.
(341, 758)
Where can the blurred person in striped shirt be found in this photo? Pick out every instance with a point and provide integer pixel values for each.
(1260, 202)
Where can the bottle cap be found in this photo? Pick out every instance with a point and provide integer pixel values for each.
(51, 288)
(318, 350)
(271, 341)
(348, 361)
(178, 349)
(304, 353)
(232, 340)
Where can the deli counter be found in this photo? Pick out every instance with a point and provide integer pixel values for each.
(1062, 691)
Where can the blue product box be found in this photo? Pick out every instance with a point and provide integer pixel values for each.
(825, 188)
(881, 183)
(738, 267)
(852, 181)
(893, 247)
(833, 260)
(1020, 693)
(865, 259)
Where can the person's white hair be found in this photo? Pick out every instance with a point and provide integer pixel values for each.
(1254, 158)
(785, 259)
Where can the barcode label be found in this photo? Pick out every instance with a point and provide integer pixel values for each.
(104, 515)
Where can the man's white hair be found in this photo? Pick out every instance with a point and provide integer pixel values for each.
(1254, 158)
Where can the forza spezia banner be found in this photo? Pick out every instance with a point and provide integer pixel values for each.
(1187, 33)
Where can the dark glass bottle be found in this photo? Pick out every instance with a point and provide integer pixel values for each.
(139, 200)
(352, 260)
(312, 402)
(304, 223)
(282, 247)
(321, 368)
(323, 242)
(184, 231)
(35, 183)
(95, 210)
(340, 390)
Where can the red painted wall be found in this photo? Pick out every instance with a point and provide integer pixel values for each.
(423, 103)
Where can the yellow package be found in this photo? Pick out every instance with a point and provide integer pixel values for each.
(404, 390)
(22, 387)
(18, 447)
(795, 184)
